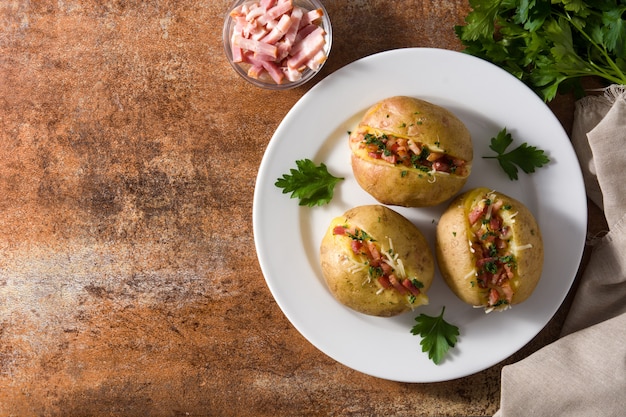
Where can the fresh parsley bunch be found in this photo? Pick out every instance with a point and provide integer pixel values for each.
(549, 44)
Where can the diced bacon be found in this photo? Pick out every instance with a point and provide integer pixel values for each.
(391, 158)
(433, 156)
(476, 213)
(495, 223)
(254, 13)
(274, 71)
(292, 74)
(409, 286)
(339, 230)
(238, 11)
(255, 71)
(296, 18)
(278, 31)
(397, 285)
(493, 296)
(374, 253)
(384, 281)
(303, 32)
(309, 46)
(316, 62)
(507, 291)
(497, 205)
(508, 271)
(413, 147)
(255, 46)
(275, 12)
(267, 4)
(387, 269)
(237, 54)
(283, 52)
(441, 166)
(311, 17)
(272, 34)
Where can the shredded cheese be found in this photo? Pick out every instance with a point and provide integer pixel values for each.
(524, 247)
(491, 198)
(356, 265)
(392, 259)
(471, 274)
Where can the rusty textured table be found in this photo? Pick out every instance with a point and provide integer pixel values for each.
(129, 283)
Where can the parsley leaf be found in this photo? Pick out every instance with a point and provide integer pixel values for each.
(312, 184)
(438, 336)
(524, 156)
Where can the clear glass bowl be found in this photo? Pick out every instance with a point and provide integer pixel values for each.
(265, 81)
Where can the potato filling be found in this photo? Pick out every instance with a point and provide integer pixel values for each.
(411, 154)
(490, 242)
(383, 266)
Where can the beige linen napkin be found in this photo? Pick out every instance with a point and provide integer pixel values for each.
(584, 372)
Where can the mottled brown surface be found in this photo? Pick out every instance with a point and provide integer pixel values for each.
(129, 283)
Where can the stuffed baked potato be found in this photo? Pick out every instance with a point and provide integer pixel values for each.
(489, 249)
(375, 261)
(409, 152)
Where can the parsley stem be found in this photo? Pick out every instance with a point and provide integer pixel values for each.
(617, 77)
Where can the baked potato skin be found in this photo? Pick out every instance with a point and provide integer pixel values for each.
(352, 288)
(456, 261)
(426, 123)
(394, 186)
(453, 254)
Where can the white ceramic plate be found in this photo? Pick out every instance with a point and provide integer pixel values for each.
(287, 236)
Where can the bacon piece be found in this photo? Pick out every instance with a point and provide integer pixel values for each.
(339, 230)
(278, 31)
(397, 285)
(274, 72)
(495, 223)
(296, 18)
(255, 71)
(311, 17)
(267, 4)
(409, 286)
(507, 290)
(493, 296)
(476, 213)
(316, 62)
(255, 12)
(441, 166)
(373, 250)
(307, 48)
(384, 281)
(413, 147)
(275, 12)
(255, 46)
(387, 269)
